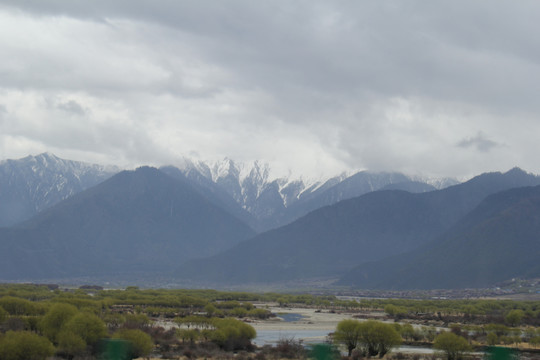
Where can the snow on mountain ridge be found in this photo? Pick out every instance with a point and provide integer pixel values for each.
(48, 160)
(34, 183)
(251, 180)
(251, 184)
(272, 198)
(437, 183)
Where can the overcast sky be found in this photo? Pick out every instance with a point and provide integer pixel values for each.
(424, 87)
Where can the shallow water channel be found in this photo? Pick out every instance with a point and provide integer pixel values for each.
(310, 336)
(271, 337)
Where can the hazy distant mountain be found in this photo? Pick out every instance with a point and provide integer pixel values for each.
(332, 240)
(353, 186)
(136, 221)
(149, 221)
(497, 241)
(411, 186)
(276, 201)
(34, 183)
(248, 191)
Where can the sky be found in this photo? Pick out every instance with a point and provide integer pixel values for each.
(316, 87)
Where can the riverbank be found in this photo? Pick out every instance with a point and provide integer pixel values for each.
(308, 326)
(310, 319)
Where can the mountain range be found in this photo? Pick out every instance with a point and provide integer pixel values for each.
(276, 201)
(135, 222)
(67, 218)
(227, 223)
(498, 240)
(35, 183)
(332, 240)
(248, 191)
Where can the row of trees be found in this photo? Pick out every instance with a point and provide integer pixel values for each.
(67, 331)
(72, 324)
(176, 300)
(370, 337)
(374, 338)
(228, 333)
(33, 313)
(489, 334)
(511, 313)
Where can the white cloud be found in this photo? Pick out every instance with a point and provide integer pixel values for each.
(479, 142)
(316, 86)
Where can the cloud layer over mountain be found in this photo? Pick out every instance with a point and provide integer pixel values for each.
(445, 89)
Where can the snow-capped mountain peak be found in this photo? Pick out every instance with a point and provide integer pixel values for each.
(34, 183)
(255, 189)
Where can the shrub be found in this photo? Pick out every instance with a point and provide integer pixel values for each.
(232, 334)
(289, 348)
(54, 320)
(88, 326)
(141, 342)
(451, 344)
(24, 345)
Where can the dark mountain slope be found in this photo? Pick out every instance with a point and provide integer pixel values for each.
(456, 201)
(333, 239)
(212, 192)
(411, 186)
(497, 241)
(326, 242)
(139, 220)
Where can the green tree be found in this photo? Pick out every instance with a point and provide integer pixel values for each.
(232, 334)
(88, 326)
(407, 331)
(239, 312)
(394, 310)
(348, 333)
(498, 329)
(70, 344)
(381, 337)
(195, 321)
(3, 315)
(507, 340)
(535, 341)
(114, 321)
(282, 301)
(514, 317)
(377, 338)
(452, 345)
(259, 313)
(190, 335)
(17, 306)
(211, 310)
(429, 333)
(53, 321)
(136, 321)
(141, 342)
(492, 339)
(24, 345)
